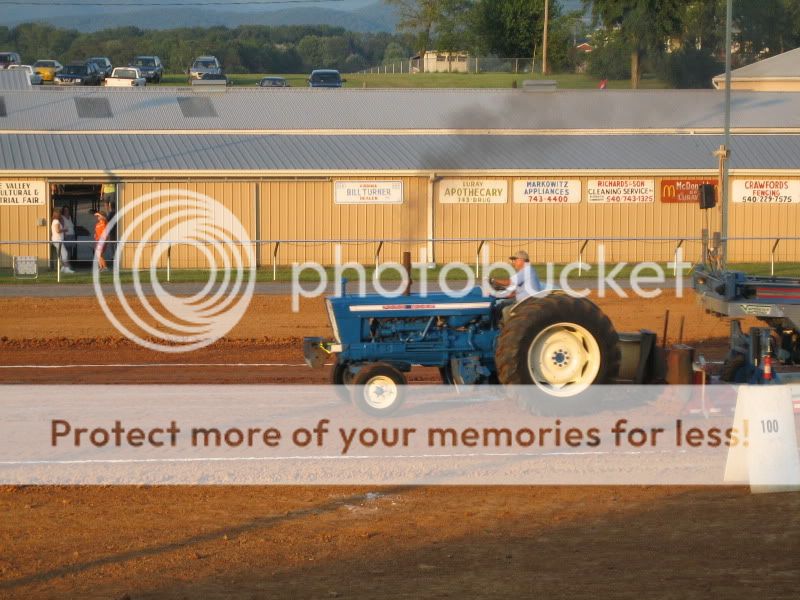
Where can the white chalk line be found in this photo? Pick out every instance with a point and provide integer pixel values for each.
(329, 457)
(130, 365)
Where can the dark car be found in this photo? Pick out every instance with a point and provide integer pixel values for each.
(9, 58)
(103, 64)
(325, 78)
(150, 67)
(273, 82)
(79, 74)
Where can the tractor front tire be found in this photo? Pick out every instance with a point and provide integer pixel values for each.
(560, 344)
(342, 380)
(379, 389)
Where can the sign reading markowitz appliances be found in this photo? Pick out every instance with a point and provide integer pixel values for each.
(766, 191)
(473, 191)
(368, 192)
(675, 191)
(547, 191)
(22, 193)
(621, 191)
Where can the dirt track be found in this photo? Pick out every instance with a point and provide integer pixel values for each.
(200, 542)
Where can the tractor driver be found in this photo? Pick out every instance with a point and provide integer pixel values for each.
(523, 284)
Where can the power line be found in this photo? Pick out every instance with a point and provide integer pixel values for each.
(146, 3)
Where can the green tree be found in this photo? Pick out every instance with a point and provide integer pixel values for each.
(394, 54)
(645, 26)
(512, 28)
(420, 18)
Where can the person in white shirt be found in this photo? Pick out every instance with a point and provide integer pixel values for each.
(57, 238)
(523, 284)
(69, 232)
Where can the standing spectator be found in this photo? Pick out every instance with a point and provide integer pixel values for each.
(99, 231)
(69, 233)
(112, 232)
(57, 238)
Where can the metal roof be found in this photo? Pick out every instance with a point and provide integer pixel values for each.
(782, 65)
(14, 80)
(297, 153)
(262, 109)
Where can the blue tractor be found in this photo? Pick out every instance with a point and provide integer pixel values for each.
(559, 343)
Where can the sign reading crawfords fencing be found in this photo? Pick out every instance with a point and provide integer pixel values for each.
(621, 191)
(473, 191)
(675, 191)
(22, 193)
(766, 191)
(368, 192)
(547, 191)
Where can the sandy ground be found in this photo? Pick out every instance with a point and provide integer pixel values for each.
(323, 542)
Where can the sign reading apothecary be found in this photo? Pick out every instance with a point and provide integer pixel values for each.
(547, 191)
(368, 192)
(22, 193)
(473, 191)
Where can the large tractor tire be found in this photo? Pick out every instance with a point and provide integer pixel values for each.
(560, 344)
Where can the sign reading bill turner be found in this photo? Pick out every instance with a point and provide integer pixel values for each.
(368, 192)
(766, 191)
(22, 193)
(621, 191)
(547, 191)
(473, 191)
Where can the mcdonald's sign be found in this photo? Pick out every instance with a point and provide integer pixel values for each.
(675, 191)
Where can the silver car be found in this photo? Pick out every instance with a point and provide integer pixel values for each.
(205, 65)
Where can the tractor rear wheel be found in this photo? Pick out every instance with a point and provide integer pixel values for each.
(379, 389)
(560, 344)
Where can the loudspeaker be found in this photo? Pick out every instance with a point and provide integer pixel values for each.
(707, 195)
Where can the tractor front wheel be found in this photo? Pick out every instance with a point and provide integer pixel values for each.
(379, 389)
(342, 380)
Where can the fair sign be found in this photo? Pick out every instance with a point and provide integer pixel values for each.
(766, 191)
(547, 191)
(22, 193)
(368, 192)
(621, 191)
(473, 191)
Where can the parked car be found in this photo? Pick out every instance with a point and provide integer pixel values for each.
(325, 78)
(9, 58)
(35, 78)
(212, 80)
(273, 82)
(150, 66)
(79, 74)
(125, 77)
(47, 69)
(102, 63)
(203, 65)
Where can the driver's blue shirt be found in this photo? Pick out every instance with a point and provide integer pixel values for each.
(525, 283)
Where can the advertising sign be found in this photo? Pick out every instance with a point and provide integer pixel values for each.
(368, 192)
(22, 193)
(766, 191)
(682, 191)
(621, 191)
(547, 191)
(473, 191)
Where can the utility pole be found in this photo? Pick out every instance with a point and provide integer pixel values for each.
(544, 36)
(727, 148)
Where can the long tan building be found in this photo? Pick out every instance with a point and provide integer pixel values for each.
(439, 172)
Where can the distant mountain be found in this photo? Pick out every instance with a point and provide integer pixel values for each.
(355, 15)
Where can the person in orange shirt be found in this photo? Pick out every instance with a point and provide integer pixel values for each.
(99, 230)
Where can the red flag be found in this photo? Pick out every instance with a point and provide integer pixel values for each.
(603, 83)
